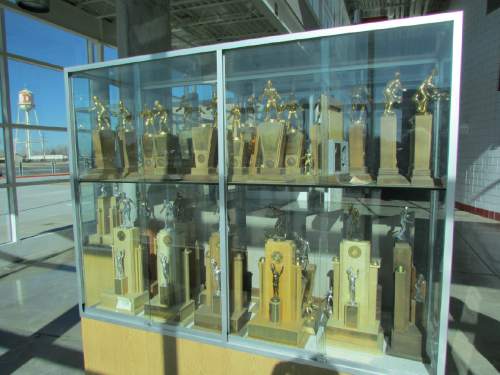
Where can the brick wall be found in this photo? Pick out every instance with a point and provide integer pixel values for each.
(478, 175)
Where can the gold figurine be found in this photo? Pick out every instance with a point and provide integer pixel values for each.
(235, 114)
(102, 114)
(125, 116)
(213, 108)
(308, 163)
(272, 99)
(160, 112)
(425, 92)
(148, 117)
(393, 93)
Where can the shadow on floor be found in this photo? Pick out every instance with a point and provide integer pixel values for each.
(41, 345)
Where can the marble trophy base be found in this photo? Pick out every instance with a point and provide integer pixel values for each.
(422, 178)
(288, 332)
(354, 338)
(407, 344)
(130, 303)
(174, 313)
(209, 316)
(391, 177)
(359, 177)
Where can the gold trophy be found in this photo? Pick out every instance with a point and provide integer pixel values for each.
(127, 141)
(285, 278)
(108, 218)
(165, 143)
(238, 145)
(129, 294)
(422, 134)
(357, 166)
(148, 144)
(409, 296)
(388, 173)
(173, 303)
(204, 138)
(103, 142)
(270, 143)
(295, 140)
(355, 318)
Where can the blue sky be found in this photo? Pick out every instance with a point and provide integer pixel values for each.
(34, 39)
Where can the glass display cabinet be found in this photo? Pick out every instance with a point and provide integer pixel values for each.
(291, 195)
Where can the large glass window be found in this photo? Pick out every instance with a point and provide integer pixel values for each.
(37, 40)
(36, 95)
(4, 217)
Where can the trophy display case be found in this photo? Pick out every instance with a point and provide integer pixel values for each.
(290, 195)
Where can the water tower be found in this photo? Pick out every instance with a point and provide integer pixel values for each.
(26, 114)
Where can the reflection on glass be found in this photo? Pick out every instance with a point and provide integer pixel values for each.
(147, 245)
(3, 171)
(4, 217)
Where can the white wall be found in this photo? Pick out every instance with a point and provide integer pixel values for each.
(478, 177)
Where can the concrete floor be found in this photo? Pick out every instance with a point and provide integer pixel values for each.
(40, 331)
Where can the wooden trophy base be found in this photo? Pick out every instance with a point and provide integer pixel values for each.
(202, 174)
(239, 174)
(370, 341)
(407, 344)
(131, 303)
(391, 177)
(210, 317)
(422, 178)
(176, 313)
(289, 333)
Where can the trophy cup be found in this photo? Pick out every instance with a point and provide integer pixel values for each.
(129, 294)
(409, 295)
(103, 142)
(204, 139)
(107, 218)
(422, 134)
(388, 173)
(127, 142)
(165, 143)
(271, 138)
(357, 166)
(355, 320)
(148, 144)
(173, 302)
(208, 314)
(285, 284)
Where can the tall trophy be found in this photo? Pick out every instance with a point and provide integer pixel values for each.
(422, 134)
(173, 303)
(107, 217)
(295, 140)
(103, 143)
(388, 173)
(271, 137)
(238, 145)
(355, 318)
(129, 294)
(208, 314)
(285, 281)
(148, 144)
(409, 295)
(127, 141)
(357, 166)
(165, 143)
(204, 138)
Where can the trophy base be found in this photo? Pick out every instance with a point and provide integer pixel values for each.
(96, 239)
(289, 333)
(206, 317)
(306, 179)
(160, 175)
(164, 314)
(101, 174)
(131, 303)
(391, 177)
(336, 179)
(240, 174)
(199, 174)
(355, 338)
(407, 344)
(422, 177)
(130, 173)
(107, 239)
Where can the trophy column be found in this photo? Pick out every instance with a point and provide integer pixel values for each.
(388, 173)
(205, 151)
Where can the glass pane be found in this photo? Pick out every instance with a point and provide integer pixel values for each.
(164, 128)
(3, 170)
(41, 154)
(4, 217)
(146, 248)
(341, 110)
(110, 53)
(36, 95)
(37, 40)
(44, 208)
